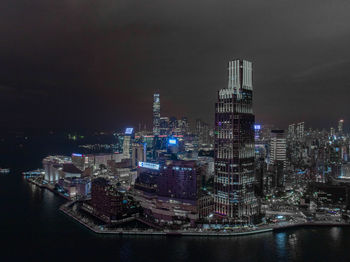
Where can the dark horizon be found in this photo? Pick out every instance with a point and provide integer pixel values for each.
(95, 65)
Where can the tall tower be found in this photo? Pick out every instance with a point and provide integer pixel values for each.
(127, 142)
(138, 153)
(278, 146)
(156, 114)
(278, 155)
(332, 131)
(291, 131)
(234, 147)
(340, 126)
(300, 130)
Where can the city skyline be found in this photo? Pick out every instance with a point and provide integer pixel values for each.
(175, 130)
(239, 178)
(101, 72)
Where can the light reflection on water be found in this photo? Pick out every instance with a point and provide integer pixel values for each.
(281, 239)
(38, 222)
(335, 233)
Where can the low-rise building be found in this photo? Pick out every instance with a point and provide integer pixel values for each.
(171, 193)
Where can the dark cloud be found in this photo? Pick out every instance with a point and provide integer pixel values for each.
(95, 64)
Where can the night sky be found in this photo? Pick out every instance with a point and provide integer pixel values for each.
(96, 63)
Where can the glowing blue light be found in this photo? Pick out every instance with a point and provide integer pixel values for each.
(172, 141)
(129, 130)
(280, 217)
(257, 127)
(74, 154)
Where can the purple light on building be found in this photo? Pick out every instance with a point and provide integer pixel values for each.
(179, 180)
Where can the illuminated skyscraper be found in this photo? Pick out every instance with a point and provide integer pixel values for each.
(278, 156)
(164, 125)
(300, 130)
(278, 147)
(138, 153)
(127, 143)
(203, 132)
(340, 126)
(156, 114)
(332, 131)
(234, 146)
(291, 131)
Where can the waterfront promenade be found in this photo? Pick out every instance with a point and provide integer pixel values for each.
(265, 228)
(194, 232)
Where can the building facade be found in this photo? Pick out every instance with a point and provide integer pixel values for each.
(171, 192)
(278, 147)
(300, 130)
(138, 153)
(106, 201)
(156, 114)
(234, 152)
(278, 157)
(53, 166)
(340, 126)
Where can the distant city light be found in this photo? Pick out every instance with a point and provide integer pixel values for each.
(129, 131)
(257, 127)
(172, 141)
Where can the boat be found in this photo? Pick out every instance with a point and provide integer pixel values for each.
(4, 170)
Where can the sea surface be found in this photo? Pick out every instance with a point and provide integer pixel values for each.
(33, 229)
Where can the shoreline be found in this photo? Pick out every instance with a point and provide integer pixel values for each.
(63, 208)
(42, 186)
(201, 233)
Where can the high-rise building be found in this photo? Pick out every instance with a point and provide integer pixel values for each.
(234, 196)
(340, 126)
(156, 114)
(278, 156)
(260, 175)
(127, 143)
(183, 125)
(138, 153)
(332, 131)
(119, 142)
(203, 132)
(291, 131)
(257, 132)
(300, 130)
(278, 147)
(164, 125)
